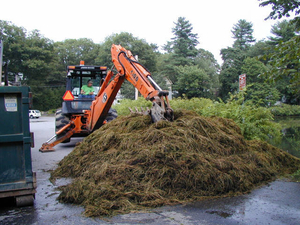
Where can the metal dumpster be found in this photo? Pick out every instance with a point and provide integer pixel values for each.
(16, 177)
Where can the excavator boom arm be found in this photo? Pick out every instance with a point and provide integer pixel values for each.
(130, 69)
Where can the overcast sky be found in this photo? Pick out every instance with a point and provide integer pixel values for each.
(151, 20)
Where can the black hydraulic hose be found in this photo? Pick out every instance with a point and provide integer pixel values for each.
(132, 62)
(120, 61)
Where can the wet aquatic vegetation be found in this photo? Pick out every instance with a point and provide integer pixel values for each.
(132, 164)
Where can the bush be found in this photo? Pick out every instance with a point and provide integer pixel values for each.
(125, 104)
(255, 122)
(285, 110)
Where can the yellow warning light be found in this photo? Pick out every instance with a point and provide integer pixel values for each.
(68, 96)
(81, 63)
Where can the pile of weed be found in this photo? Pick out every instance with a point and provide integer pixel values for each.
(131, 164)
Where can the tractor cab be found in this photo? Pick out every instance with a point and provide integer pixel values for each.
(77, 77)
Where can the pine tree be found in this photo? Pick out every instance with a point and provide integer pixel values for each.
(184, 42)
(242, 33)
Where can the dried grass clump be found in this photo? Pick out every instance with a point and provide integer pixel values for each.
(131, 164)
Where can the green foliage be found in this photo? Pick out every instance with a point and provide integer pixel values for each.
(242, 33)
(184, 41)
(282, 31)
(262, 94)
(125, 104)
(254, 70)
(146, 52)
(47, 98)
(255, 122)
(206, 61)
(146, 56)
(281, 8)
(28, 53)
(285, 64)
(258, 92)
(284, 59)
(231, 69)
(14, 39)
(296, 176)
(195, 104)
(193, 82)
(71, 51)
(258, 49)
(285, 110)
(234, 57)
(181, 50)
(37, 59)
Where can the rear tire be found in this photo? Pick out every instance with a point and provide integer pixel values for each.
(60, 122)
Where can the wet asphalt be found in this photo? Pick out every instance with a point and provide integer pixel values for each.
(275, 203)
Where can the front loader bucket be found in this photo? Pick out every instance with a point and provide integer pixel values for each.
(46, 148)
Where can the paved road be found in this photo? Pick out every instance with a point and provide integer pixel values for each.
(276, 203)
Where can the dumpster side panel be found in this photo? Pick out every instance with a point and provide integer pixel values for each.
(16, 176)
(13, 170)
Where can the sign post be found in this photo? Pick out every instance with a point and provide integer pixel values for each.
(242, 82)
(1, 59)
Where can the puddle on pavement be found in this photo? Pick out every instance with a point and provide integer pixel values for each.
(219, 213)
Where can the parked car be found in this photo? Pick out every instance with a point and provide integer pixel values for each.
(34, 113)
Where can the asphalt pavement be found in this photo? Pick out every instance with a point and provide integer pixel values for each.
(275, 203)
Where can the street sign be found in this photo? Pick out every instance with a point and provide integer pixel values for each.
(242, 81)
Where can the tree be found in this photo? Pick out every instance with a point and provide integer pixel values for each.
(193, 82)
(181, 50)
(254, 70)
(234, 57)
(72, 51)
(14, 39)
(37, 59)
(281, 8)
(262, 94)
(231, 69)
(146, 55)
(284, 60)
(205, 60)
(258, 92)
(282, 31)
(146, 52)
(184, 41)
(242, 33)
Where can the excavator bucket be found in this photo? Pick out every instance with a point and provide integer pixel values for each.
(157, 113)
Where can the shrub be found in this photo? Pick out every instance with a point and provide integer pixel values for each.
(285, 110)
(255, 122)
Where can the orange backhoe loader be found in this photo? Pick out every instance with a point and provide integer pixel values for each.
(80, 116)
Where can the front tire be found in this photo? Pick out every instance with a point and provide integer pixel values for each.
(60, 122)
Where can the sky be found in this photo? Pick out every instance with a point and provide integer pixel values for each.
(152, 20)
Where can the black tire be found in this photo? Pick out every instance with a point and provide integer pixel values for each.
(24, 200)
(111, 115)
(60, 122)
